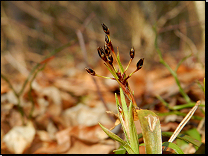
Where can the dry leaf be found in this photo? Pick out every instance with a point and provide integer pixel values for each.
(51, 128)
(52, 148)
(84, 115)
(19, 138)
(79, 147)
(44, 136)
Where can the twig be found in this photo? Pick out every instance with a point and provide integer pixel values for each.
(183, 123)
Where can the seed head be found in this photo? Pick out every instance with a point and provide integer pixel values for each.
(101, 53)
(140, 63)
(107, 39)
(132, 53)
(107, 50)
(90, 71)
(105, 29)
(110, 59)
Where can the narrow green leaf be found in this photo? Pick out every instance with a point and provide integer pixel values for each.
(183, 137)
(123, 101)
(112, 71)
(132, 130)
(200, 85)
(120, 115)
(182, 144)
(119, 63)
(174, 74)
(180, 114)
(173, 146)
(117, 138)
(126, 113)
(120, 150)
(180, 136)
(181, 61)
(194, 133)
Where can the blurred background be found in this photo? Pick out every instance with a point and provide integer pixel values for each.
(64, 100)
(30, 30)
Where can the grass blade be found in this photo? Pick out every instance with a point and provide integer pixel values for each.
(117, 138)
(173, 146)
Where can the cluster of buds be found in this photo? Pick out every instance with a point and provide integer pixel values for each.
(107, 55)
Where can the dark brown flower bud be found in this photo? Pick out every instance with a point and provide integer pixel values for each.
(132, 53)
(107, 50)
(105, 29)
(110, 59)
(107, 39)
(90, 71)
(101, 53)
(140, 63)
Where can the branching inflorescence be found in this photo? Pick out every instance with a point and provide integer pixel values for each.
(108, 55)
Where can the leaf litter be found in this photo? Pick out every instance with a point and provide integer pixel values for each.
(68, 109)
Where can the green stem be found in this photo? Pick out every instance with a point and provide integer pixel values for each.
(17, 96)
(186, 97)
(179, 114)
(30, 91)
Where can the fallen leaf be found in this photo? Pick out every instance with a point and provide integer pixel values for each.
(85, 115)
(53, 148)
(80, 147)
(43, 135)
(19, 138)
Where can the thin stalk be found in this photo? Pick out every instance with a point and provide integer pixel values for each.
(128, 65)
(181, 61)
(30, 93)
(17, 96)
(186, 97)
(179, 114)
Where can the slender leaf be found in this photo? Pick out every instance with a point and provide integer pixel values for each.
(173, 146)
(194, 133)
(120, 150)
(117, 138)
(132, 130)
(120, 115)
(183, 137)
(119, 63)
(123, 101)
(181, 61)
(174, 74)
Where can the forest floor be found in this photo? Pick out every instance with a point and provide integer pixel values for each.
(68, 107)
